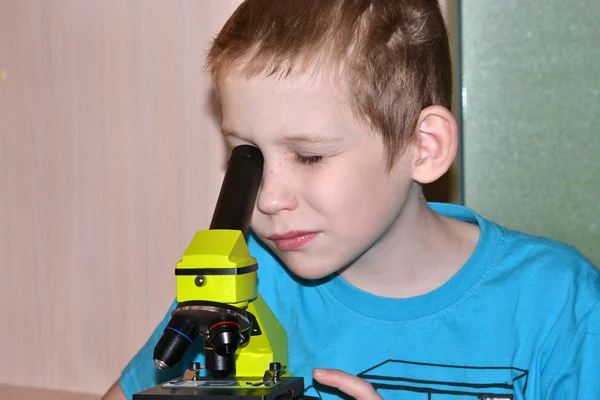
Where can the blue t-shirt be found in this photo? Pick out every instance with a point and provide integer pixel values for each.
(520, 320)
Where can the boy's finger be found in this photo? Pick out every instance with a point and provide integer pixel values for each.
(351, 385)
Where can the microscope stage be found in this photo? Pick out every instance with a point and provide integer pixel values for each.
(227, 389)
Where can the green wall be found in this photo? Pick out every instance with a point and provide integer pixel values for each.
(530, 72)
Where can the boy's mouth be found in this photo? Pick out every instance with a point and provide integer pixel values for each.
(292, 240)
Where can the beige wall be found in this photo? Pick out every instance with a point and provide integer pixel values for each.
(110, 160)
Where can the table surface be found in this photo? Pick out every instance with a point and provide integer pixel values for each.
(9, 392)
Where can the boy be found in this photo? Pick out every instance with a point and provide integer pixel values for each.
(386, 294)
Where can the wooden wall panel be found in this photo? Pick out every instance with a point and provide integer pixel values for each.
(110, 160)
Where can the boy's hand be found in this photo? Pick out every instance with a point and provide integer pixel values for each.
(351, 385)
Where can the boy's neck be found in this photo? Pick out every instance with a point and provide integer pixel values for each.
(420, 252)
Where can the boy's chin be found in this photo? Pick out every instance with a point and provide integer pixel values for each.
(312, 272)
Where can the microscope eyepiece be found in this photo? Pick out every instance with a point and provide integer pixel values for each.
(176, 339)
(239, 189)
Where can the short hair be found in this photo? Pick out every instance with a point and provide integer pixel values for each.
(391, 57)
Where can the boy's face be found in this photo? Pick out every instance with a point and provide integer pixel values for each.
(327, 199)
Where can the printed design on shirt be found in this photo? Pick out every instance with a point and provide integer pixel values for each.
(415, 380)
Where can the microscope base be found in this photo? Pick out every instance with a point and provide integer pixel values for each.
(211, 389)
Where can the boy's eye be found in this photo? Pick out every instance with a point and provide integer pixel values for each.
(312, 159)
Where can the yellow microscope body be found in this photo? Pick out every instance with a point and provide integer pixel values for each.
(217, 250)
(245, 347)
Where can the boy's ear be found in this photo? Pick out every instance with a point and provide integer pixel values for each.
(436, 144)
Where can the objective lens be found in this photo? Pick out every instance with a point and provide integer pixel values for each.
(175, 341)
(225, 337)
(218, 366)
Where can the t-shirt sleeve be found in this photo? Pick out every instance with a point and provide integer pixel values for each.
(141, 373)
(574, 373)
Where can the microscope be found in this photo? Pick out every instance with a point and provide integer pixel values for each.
(245, 347)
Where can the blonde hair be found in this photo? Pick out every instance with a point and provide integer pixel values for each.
(391, 56)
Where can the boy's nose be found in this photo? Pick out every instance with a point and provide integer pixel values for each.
(275, 193)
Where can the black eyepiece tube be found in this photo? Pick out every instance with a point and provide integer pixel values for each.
(239, 189)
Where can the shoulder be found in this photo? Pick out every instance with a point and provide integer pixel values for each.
(556, 272)
(553, 286)
(524, 251)
(556, 264)
(559, 276)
